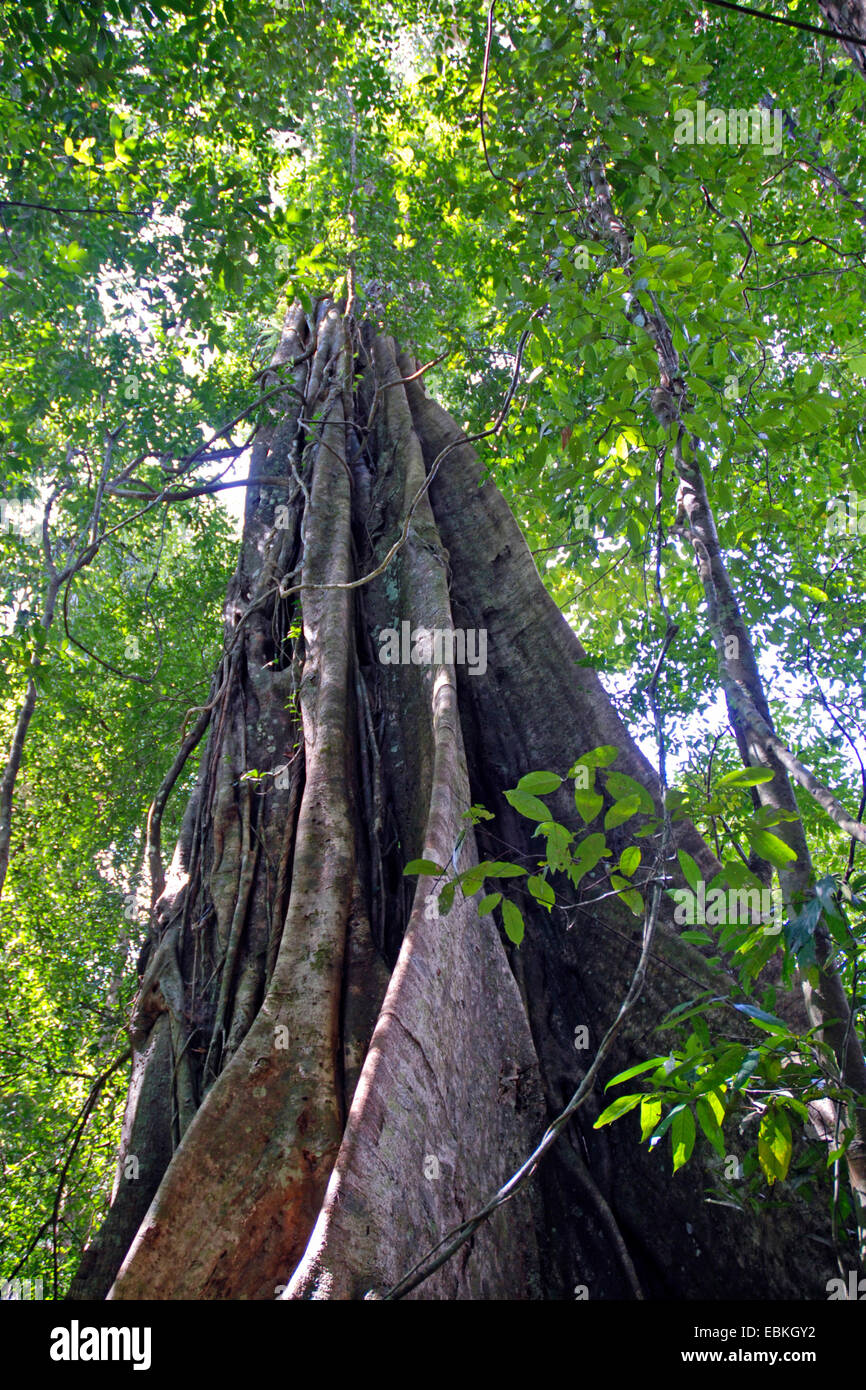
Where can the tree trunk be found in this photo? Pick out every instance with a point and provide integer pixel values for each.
(327, 1075)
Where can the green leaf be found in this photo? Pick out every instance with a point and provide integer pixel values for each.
(591, 849)
(812, 592)
(488, 903)
(528, 806)
(688, 1010)
(646, 830)
(588, 804)
(683, 1137)
(619, 1108)
(422, 866)
(771, 848)
(774, 1144)
(500, 868)
(541, 890)
(630, 896)
(691, 872)
(661, 1129)
(629, 860)
(799, 933)
(635, 1071)
(471, 880)
(446, 898)
(539, 783)
(620, 786)
(710, 1125)
(746, 777)
(621, 811)
(558, 840)
(512, 919)
(596, 757)
(650, 1114)
(760, 1016)
(791, 1103)
(751, 1062)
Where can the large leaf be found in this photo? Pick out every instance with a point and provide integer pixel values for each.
(512, 919)
(682, 1136)
(539, 783)
(771, 848)
(528, 806)
(774, 1144)
(617, 1109)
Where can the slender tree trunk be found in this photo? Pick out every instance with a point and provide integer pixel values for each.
(328, 1075)
(848, 17)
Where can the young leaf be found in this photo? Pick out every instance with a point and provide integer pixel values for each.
(634, 1071)
(619, 1107)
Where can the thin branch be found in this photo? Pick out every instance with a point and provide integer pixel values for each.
(790, 23)
(745, 707)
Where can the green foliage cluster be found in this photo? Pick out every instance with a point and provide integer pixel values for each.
(712, 1078)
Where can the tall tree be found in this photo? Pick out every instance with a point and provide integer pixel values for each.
(654, 338)
(316, 1050)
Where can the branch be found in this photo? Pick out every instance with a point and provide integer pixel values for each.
(69, 212)
(154, 815)
(772, 743)
(790, 23)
